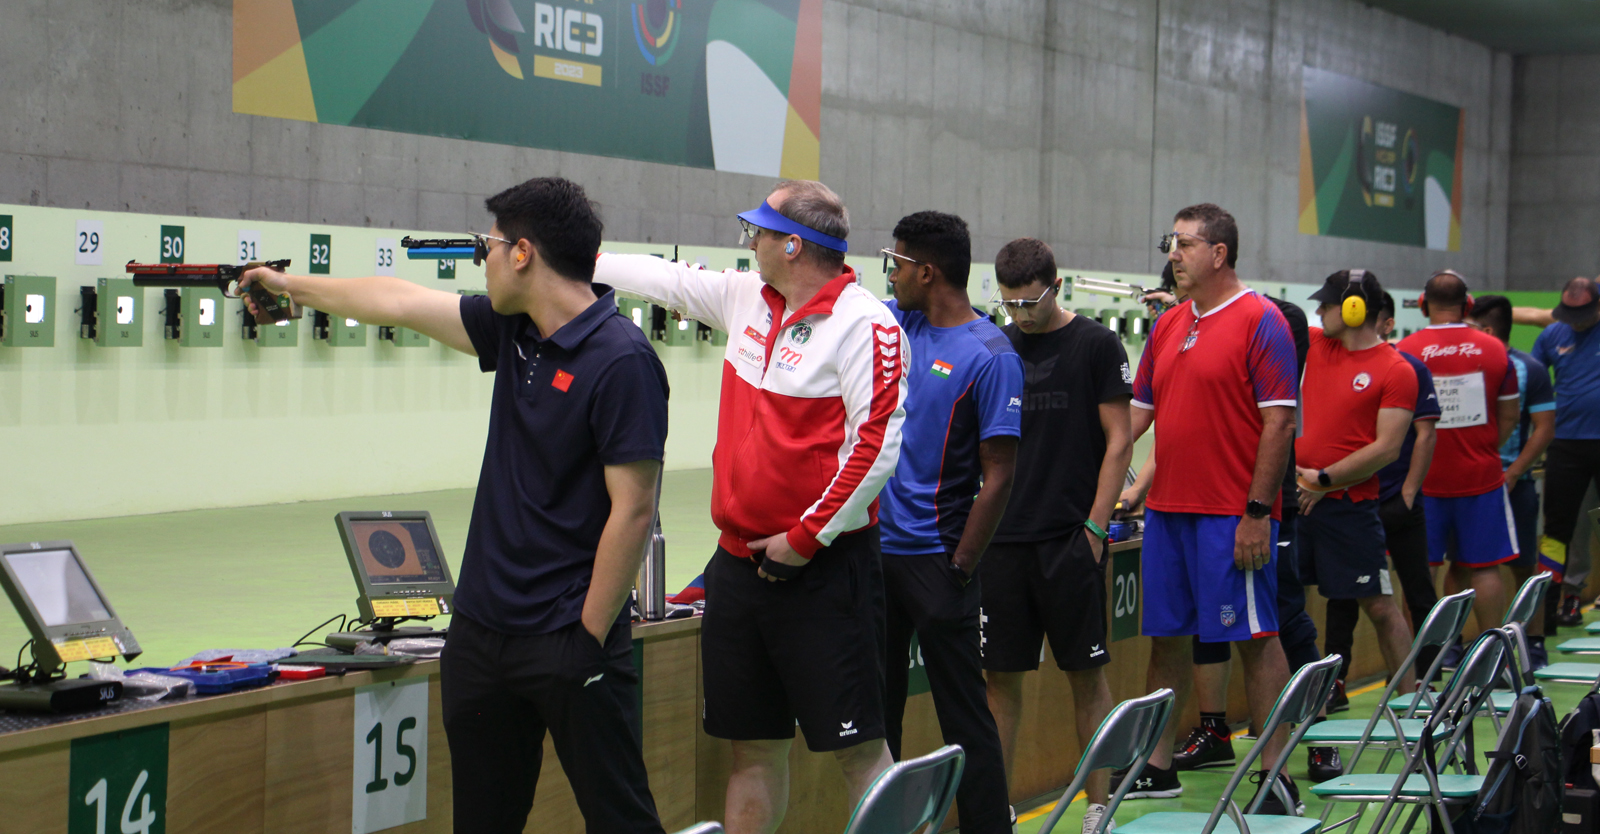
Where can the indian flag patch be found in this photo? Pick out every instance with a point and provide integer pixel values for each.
(942, 369)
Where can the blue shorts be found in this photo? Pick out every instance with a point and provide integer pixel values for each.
(1475, 531)
(1342, 549)
(1191, 585)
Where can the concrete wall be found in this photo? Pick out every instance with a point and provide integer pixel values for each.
(1555, 168)
(1086, 122)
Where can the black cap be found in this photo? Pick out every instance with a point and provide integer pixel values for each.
(1333, 288)
(1580, 301)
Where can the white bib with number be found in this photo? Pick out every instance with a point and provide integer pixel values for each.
(1462, 401)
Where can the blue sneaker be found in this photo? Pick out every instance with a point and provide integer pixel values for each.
(1453, 654)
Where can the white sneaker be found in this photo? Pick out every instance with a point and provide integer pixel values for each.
(1092, 817)
(1014, 820)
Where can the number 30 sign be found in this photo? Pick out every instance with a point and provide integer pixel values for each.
(390, 782)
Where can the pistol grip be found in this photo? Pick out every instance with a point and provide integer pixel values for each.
(270, 308)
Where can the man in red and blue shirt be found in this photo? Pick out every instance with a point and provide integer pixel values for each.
(1358, 396)
(1217, 378)
(1464, 495)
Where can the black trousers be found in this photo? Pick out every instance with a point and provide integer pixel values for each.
(502, 692)
(1296, 630)
(1406, 533)
(1569, 467)
(923, 597)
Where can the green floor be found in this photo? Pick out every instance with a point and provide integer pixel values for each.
(259, 577)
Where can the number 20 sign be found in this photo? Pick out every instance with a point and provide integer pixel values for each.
(389, 785)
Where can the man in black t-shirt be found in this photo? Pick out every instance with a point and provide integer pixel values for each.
(540, 639)
(1044, 571)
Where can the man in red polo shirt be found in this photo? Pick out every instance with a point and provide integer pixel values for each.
(1464, 496)
(1217, 380)
(1357, 397)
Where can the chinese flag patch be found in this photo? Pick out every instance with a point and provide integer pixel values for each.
(563, 381)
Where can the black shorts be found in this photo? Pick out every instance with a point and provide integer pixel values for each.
(1033, 589)
(1342, 549)
(808, 650)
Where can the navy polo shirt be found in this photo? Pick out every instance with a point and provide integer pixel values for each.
(590, 395)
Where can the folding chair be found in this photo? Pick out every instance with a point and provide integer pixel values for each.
(1420, 783)
(703, 828)
(1126, 738)
(1307, 691)
(909, 794)
(1444, 624)
(1528, 602)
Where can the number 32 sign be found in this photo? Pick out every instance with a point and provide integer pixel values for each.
(390, 781)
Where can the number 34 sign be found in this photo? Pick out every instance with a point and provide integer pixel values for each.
(118, 783)
(390, 784)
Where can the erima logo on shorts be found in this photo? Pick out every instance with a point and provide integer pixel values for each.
(1228, 616)
(849, 729)
(1096, 651)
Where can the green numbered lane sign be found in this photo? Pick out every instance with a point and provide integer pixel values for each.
(447, 268)
(321, 254)
(118, 783)
(172, 244)
(1124, 595)
(7, 233)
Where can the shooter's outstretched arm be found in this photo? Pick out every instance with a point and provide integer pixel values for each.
(379, 299)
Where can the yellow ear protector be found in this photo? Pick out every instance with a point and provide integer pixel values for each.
(1353, 305)
(788, 248)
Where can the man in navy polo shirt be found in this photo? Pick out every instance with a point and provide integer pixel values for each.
(540, 638)
(963, 418)
(1570, 348)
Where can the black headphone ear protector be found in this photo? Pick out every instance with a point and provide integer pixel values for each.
(1353, 304)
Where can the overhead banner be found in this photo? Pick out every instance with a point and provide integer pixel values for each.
(1378, 164)
(734, 85)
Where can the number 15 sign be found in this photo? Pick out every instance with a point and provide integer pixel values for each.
(390, 781)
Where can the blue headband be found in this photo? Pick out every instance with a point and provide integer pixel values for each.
(768, 217)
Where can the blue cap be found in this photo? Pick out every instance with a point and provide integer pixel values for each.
(768, 217)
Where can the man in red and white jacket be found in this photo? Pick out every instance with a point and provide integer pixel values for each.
(813, 397)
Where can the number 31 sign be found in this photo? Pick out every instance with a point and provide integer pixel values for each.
(390, 782)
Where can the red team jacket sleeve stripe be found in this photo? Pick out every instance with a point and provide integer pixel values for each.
(872, 378)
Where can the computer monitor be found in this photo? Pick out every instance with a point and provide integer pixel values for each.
(64, 609)
(398, 564)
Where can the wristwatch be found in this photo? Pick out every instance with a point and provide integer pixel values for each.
(1323, 479)
(1256, 509)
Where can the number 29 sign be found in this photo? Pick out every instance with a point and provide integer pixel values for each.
(389, 785)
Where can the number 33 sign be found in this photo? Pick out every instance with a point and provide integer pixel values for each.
(118, 783)
(390, 780)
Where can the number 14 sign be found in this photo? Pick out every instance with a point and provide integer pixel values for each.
(390, 781)
(118, 783)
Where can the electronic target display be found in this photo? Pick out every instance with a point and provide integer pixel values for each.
(63, 607)
(397, 563)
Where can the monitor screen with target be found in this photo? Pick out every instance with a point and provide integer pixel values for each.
(397, 562)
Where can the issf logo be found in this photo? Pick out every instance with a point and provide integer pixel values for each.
(656, 24)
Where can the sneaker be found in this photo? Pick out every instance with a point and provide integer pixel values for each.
(1273, 803)
(1337, 700)
(1323, 763)
(1538, 658)
(1570, 612)
(1204, 749)
(1453, 654)
(1153, 783)
(1014, 819)
(1092, 817)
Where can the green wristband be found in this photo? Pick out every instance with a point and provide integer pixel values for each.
(1095, 529)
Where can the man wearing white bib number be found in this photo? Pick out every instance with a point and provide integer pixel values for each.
(1464, 494)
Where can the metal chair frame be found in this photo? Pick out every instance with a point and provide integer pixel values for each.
(950, 759)
(1443, 624)
(1125, 738)
(1465, 694)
